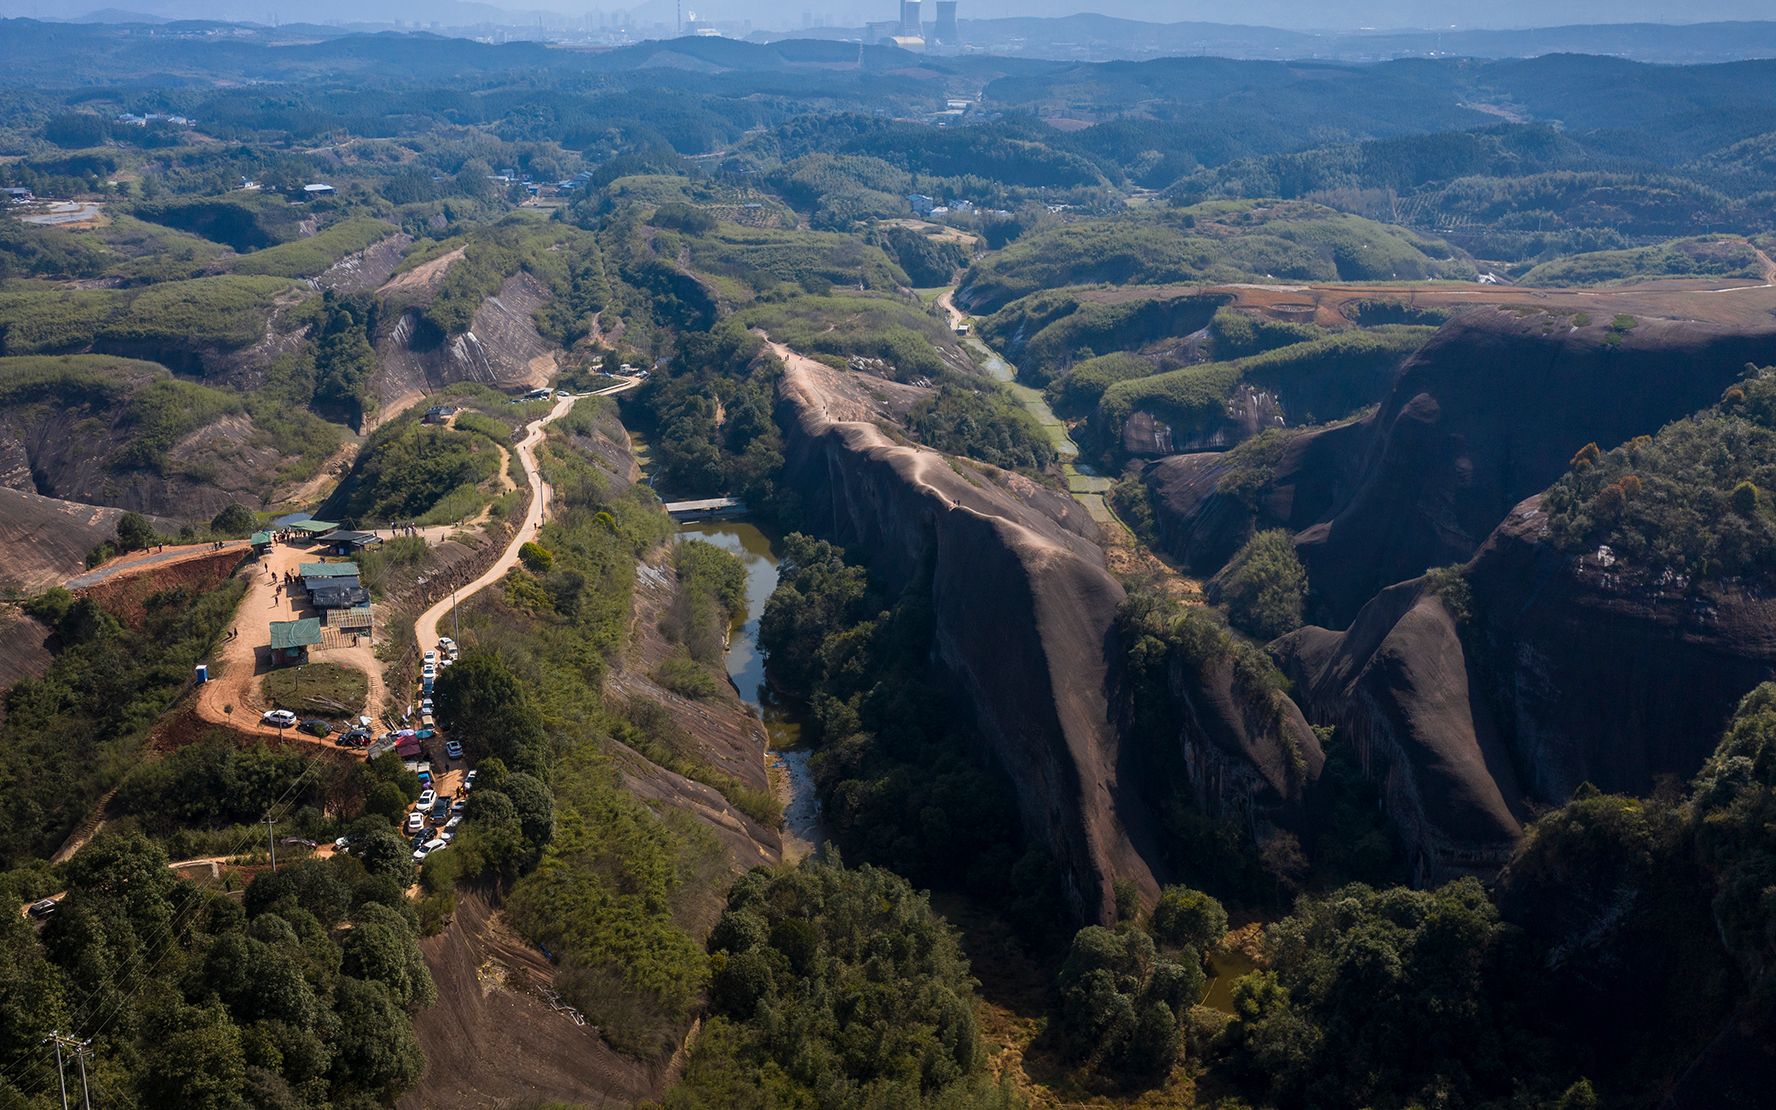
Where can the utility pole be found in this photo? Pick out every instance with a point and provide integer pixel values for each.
(80, 1053)
(271, 839)
(79, 1048)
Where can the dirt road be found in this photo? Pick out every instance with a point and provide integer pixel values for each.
(148, 560)
(425, 629)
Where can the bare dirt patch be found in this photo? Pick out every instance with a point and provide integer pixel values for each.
(423, 276)
(492, 1038)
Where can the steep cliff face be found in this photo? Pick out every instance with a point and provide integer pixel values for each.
(1486, 414)
(1025, 612)
(501, 348)
(1204, 510)
(1248, 758)
(91, 452)
(1026, 628)
(1606, 675)
(1400, 686)
(1569, 670)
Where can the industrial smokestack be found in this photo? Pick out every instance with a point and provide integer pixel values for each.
(911, 25)
(945, 31)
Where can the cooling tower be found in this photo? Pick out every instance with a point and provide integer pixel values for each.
(945, 31)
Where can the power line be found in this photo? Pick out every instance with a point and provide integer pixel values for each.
(79, 1047)
(110, 1008)
(191, 896)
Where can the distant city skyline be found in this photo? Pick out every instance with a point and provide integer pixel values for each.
(768, 14)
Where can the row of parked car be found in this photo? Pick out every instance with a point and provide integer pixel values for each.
(355, 735)
(433, 821)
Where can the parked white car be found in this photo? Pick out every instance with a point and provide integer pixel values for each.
(426, 798)
(415, 822)
(279, 718)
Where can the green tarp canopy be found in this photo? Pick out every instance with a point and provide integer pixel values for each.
(295, 634)
(312, 527)
(328, 570)
(260, 539)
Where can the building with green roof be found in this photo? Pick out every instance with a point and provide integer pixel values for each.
(290, 640)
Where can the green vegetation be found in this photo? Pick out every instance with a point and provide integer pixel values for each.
(928, 260)
(607, 899)
(1622, 937)
(1220, 242)
(1048, 332)
(210, 797)
(1122, 1006)
(378, 564)
(73, 733)
(145, 411)
(242, 221)
(1708, 257)
(1264, 586)
(1160, 637)
(1690, 499)
(894, 765)
(215, 311)
(183, 317)
(836, 987)
(410, 471)
(1319, 379)
(143, 252)
(344, 358)
(723, 373)
(491, 254)
(43, 320)
(1239, 334)
(1079, 388)
(899, 339)
(982, 424)
(29, 251)
(709, 595)
(318, 689)
(201, 1003)
(310, 256)
(760, 259)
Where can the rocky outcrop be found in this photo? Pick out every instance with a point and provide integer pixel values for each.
(502, 348)
(86, 452)
(1488, 413)
(1024, 613)
(368, 269)
(1248, 758)
(1569, 670)
(1204, 510)
(1485, 414)
(1399, 685)
(1608, 675)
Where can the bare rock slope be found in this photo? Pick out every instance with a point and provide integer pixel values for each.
(1486, 414)
(501, 348)
(1025, 611)
(1567, 671)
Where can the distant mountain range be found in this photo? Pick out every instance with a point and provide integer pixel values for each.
(1098, 37)
(1081, 37)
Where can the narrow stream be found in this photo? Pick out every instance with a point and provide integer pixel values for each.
(1084, 483)
(802, 831)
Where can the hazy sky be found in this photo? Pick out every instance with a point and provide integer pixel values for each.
(1320, 14)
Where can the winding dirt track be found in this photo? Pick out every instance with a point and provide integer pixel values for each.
(425, 629)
